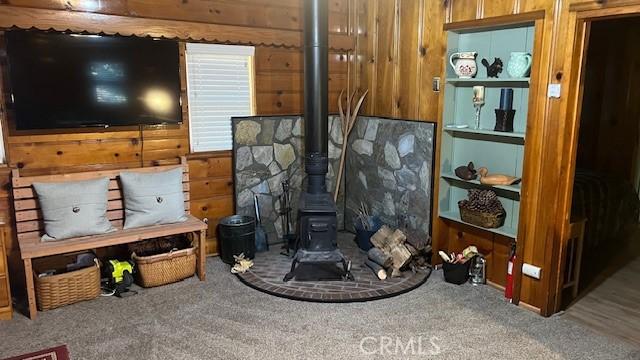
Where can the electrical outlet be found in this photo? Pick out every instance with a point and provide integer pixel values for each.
(554, 91)
(531, 270)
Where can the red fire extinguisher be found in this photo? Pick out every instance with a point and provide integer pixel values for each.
(508, 290)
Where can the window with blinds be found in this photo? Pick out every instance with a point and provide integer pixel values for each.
(219, 87)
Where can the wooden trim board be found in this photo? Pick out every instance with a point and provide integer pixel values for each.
(42, 19)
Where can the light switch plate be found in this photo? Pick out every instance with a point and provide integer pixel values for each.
(435, 84)
(554, 91)
(531, 270)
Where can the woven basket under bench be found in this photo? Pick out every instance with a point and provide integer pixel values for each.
(165, 268)
(54, 291)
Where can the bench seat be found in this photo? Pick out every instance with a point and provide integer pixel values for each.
(33, 247)
(30, 221)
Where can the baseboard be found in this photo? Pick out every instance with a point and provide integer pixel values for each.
(496, 286)
(529, 307)
(6, 313)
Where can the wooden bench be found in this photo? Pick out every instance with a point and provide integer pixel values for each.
(30, 225)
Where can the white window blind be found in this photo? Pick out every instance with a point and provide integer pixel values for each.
(219, 87)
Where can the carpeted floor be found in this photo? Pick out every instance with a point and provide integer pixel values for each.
(224, 319)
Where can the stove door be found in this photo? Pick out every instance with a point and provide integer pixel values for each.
(319, 233)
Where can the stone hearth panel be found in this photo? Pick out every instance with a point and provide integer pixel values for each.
(268, 150)
(389, 168)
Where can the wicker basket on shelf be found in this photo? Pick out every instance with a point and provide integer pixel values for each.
(165, 268)
(482, 208)
(54, 291)
(482, 219)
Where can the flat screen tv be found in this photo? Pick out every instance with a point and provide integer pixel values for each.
(60, 80)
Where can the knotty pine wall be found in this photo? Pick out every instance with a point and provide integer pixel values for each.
(278, 85)
(400, 50)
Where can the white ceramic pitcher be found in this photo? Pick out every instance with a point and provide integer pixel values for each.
(465, 64)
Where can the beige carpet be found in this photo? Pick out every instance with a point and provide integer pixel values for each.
(224, 319)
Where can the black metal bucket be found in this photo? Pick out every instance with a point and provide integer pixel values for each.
(237, 235)
(456, 273)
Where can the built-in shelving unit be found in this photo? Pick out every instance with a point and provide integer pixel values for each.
(500, 152)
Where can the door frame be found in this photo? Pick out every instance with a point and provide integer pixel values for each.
(580, 18)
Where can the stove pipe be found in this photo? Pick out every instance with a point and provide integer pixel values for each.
(316, 85)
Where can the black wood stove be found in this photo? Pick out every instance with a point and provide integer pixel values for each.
(317, 220)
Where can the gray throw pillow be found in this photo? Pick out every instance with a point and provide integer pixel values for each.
(74, 208)
(152, 198)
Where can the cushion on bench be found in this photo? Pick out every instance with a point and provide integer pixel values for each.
(74, 208)
(152, 198)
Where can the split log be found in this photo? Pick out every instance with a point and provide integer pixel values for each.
(412, 250)
(397, 238)
(396, 273)
(427, 249)
(401, 256)
(420, 261)
(377, 269)
(379, 239)
(380, 257)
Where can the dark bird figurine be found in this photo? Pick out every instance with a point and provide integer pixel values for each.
(494, 69)
(466, 172)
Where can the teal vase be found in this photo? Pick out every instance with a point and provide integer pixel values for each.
(519, 65)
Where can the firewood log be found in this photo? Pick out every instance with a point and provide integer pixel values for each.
(380, 257)
(398, 237)
(379, 239)
(412, 250)
(377, 269)
(396, 273)
(420, 261)
(401, 256)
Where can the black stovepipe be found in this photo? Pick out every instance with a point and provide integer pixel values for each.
(316, 84)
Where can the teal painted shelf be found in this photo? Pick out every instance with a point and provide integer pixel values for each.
(511, 188)
(500, 152)
(485, 132)
(504, 230)
(490, 82)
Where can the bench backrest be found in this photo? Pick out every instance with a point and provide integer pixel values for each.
(29, 220)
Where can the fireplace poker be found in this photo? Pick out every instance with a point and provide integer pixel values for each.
(285, 212)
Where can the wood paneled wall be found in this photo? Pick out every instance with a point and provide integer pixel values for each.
(278, 86)
(400, 51)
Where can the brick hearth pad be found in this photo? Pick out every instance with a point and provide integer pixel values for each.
(270, 267)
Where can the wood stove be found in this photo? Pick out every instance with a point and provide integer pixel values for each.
(317, 215)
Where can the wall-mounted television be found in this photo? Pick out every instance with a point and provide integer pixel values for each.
(60, 80)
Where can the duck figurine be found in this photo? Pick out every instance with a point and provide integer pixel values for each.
(466, 172)
(496, 179)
